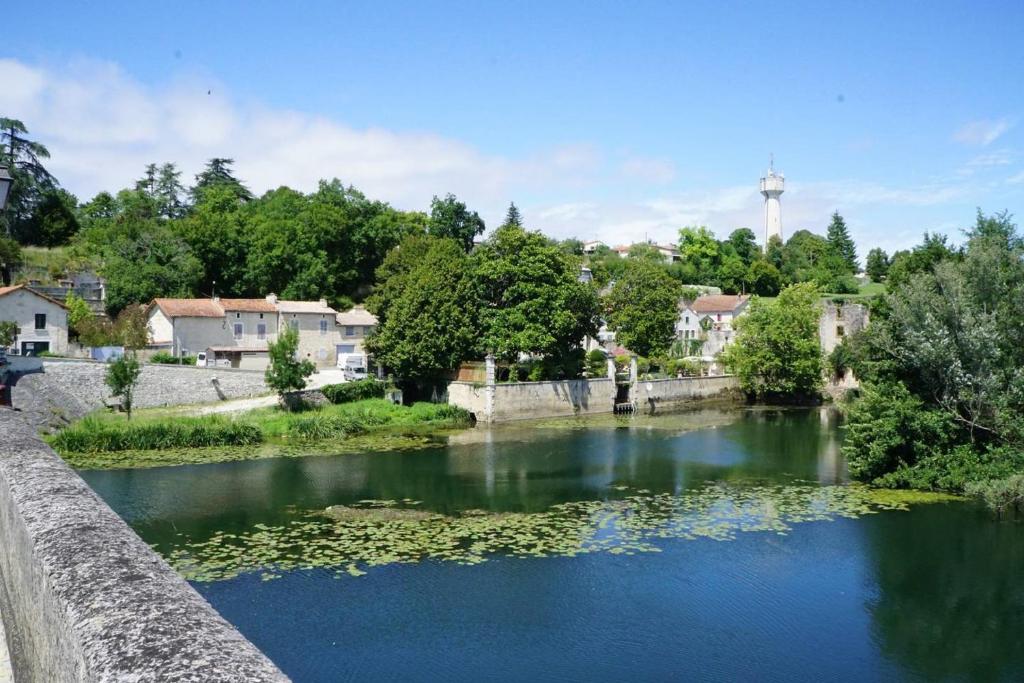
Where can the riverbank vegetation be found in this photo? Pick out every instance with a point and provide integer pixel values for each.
(91, 441)
(942, 405)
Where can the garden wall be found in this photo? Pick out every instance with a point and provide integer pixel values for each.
(85, 599)
(67, 390)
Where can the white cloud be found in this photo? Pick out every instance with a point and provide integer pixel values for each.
(1016, 179)
(102, 127)
(658, 171)
(983, 132)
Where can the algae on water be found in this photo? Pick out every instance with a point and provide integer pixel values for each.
(351, 539)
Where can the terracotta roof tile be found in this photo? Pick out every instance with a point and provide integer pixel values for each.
(718, 303)
(248, 305)
(190, 308)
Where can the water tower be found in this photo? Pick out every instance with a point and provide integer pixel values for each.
(772, 187)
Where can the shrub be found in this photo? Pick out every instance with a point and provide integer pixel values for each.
(164, 358)
(597, 363)
(92, 435)
(354, 391)
(846, 284)
(1000, 495)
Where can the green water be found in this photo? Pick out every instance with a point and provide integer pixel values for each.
(712, 545)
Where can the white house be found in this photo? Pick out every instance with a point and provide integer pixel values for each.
(592, 246)
(240, 330)
(355, 325)
(42, 322)
(317, 325)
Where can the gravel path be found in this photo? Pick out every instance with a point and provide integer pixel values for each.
(322, 378)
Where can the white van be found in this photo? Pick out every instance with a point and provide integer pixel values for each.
(353, 366)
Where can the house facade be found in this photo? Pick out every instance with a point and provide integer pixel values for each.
(42, 321)
(238, 332)
(710, 318)
(317, 325)
(354, 326)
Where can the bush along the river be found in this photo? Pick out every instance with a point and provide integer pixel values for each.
(354, 391)
(942, 404)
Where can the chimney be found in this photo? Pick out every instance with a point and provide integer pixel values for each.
(272, 298)
(323, 302)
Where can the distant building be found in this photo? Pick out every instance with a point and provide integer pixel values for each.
(710, 318)
(592, 246)
(669, 252)
(42, 321)
(239, 331)
(355, 325)
(839, 321)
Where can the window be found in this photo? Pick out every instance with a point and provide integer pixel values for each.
(261, 316)
(350, 330)
(40, 321)
(323, 328)
(239, 329)
(261, 331)
(687, 320)
(238, 315)
(839, 312)
(840, 331)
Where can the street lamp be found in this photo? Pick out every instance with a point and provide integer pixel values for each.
(5, 186)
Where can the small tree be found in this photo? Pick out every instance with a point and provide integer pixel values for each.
(78, 313)
(877, 265)
(8, 331)
(122, 376)
(642, 308)
(841, 243)
(285, 372)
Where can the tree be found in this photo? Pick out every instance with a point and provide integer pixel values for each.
(8, 333)
(763, 278)
(744, 243)
(10, 258)
(532, 299)
(285, 373)
(53, 221)
(777, 353)
(218, 173)
(450, 218)
(841, 243)
(934, 249)
(428, 323)
(168, 192)
(78, 313)
(877, 264)
(122, 377)
(513, 218)
(642, 308)
(24, 158)
(131, 329)
(153, 263)
(699, 248)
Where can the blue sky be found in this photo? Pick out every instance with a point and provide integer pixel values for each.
(598, 119)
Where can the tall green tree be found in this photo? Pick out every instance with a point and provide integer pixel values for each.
(218, 173)
(841, 243)
(699, 248)
(10, 258)
(54, 219)
(169, 192)
(777, 353)
(642, 308)
(154, 263)
(450, 218)
(513, 219)
(24, 158)
(428, 311)
(877, 264)
(744, 243)
(533, 300)
(763, 278)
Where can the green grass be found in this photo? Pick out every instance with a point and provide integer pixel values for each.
(156, 437)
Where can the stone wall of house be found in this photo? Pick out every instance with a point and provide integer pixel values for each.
(653, 394)
(67, 390)
(838, 321)
(83, 598)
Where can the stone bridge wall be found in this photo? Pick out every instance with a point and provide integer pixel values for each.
(84, 599)
(652, 394)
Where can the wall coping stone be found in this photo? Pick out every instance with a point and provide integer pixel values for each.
(85, 599)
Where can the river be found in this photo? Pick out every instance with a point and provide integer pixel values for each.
(717, 545)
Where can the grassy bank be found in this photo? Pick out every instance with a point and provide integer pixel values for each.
(151, 440)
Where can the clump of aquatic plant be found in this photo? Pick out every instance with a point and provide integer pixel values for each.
(1000, 495)
(93, 435)
(352, 538)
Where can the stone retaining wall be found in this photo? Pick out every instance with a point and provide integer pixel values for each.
(85, 599)
(650, 395)
(67, 390)
(522, 400)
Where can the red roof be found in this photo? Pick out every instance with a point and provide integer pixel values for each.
(718, 303)
(190, 308)
(248, 305)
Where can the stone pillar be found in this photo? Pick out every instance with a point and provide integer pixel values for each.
(491, 370)
(611, 368)
(633, 374)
